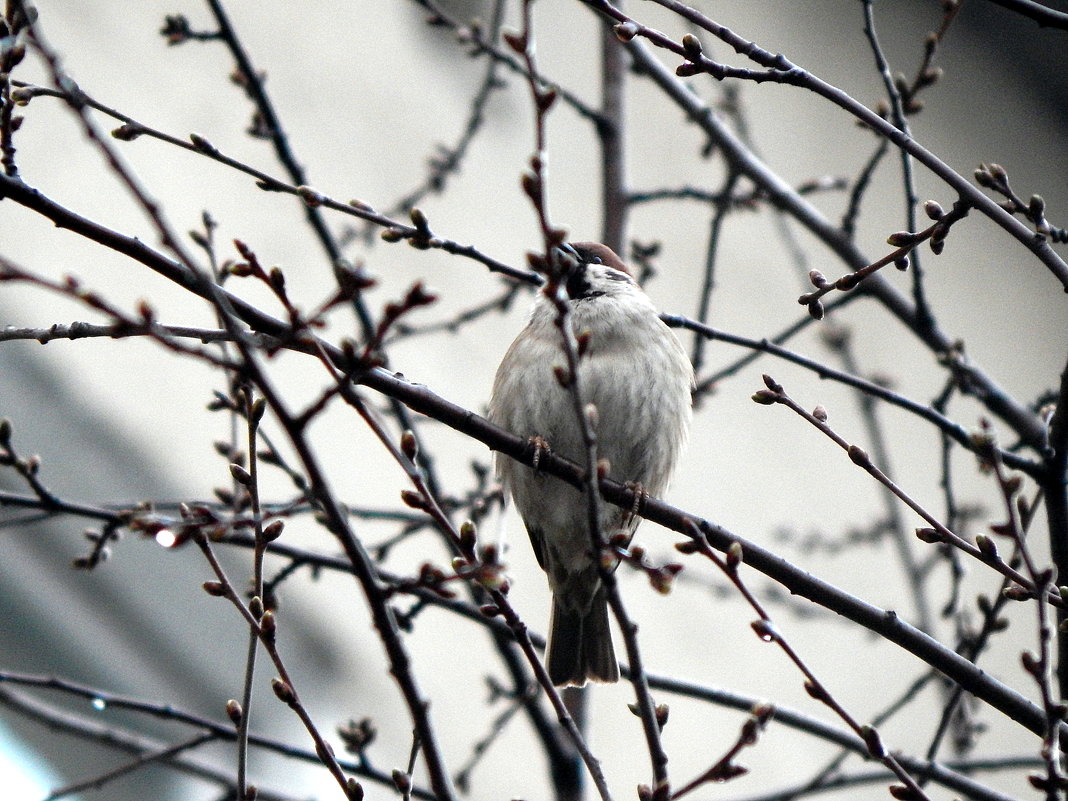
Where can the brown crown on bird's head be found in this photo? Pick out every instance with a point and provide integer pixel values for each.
(595, 253)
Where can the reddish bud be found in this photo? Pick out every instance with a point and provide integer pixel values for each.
(563, 375)
(516, 41)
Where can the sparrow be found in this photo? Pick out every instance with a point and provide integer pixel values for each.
(634, 370)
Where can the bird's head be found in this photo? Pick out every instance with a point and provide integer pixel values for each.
(594, 270)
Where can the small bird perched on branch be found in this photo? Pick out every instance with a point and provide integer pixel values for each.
(633, 369)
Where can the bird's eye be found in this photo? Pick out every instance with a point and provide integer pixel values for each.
(594, 260)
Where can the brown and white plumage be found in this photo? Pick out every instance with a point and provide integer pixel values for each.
(636, 373)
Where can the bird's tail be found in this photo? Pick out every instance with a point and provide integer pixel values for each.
(580, 645)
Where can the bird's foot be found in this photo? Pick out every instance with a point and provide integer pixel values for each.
(638, 494)
(540, 446)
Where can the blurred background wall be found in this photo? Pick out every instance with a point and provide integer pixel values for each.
(366, 92)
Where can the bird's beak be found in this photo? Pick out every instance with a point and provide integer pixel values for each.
(567, 258)
(568, 250)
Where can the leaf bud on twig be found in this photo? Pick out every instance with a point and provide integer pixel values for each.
(1036, 207)
(1017, 593)
(582, 341)
(592, 416)
(273, 530)
(545, 99)
(277, 279)
(531, 185)
(269, 626)
(901, 239)
(986, 546)
(515, 40)
(903, 793)
(928, 535)
(873, 741)
(933, 209)
(735, 554)
(402, 781)
(240, 474)
(413, 499)
(259, 407)
(765, 630)
(125, 133)
(234, 712)
(938, 238)
(310, 196)
(202, 144)
(419, 218)
(563, 375)
(859, 456)
(284, 691)
(409, 445)
(661, 711)
(1031, 663)
(765, 397)
(847, 282)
